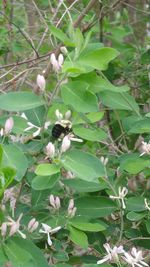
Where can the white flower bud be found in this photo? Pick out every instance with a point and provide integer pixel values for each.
(50, 150)
(1, 132)
(65, 144)
(3, 229)
(57, 202)
(71, 204)
(64, 50)
(9, 125)
(58, 115)
(71, 213)
(41, 82)
(60, 59)
(33, 225)
(67, 115)
(52, 200)
(54, 62)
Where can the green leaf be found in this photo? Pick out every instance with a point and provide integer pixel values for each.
(47, 169)
(44, 182)
(98, 58)
(135, 204)
(98, 83)
(28, 247)
(94, 207)
(133, 216)
(133, 164)
(122, 101)
(80, 118)
(16, 159)
(75, 94)
(88, 227)
(7, 175)
(78, 237)
(1, 154)
(83, 186)
(148, 226)
(90, 134)
(58, 33)
(142, 126)
(3, 258)
(19, 101)
(84, 165)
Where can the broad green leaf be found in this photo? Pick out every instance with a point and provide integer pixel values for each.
(15, 158)
(98, 83)
(7, 175)
(84, 165)
(122, 101)
(142, 126)
(99, 58)
(88, 227)
(94, 207)
(129, 121)
(3, 257)
(36, 115)
(78, 237)
(58, 33)
(76, 95)
(44, 182)
(34, 251)
(133, 216)
(90, 134)
(79, 40)
(133, 164)
(83, 186)
(92, 117)
(18, 256)
(19, 101)
(47, 169)
(135, 204)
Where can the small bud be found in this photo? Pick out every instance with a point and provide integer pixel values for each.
(71, 213)
(33, 225)
(3, 229)
(60, 59)
(58, 114)
(41, 82)
(8, 125)
(64, 50)
(65, 144)
(67, 115)
(71, 204)
(57, 202)
(52, 200)
(50, 150)
(54, 62)
(1, 132)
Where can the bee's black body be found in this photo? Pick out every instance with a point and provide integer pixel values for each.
(58, 130)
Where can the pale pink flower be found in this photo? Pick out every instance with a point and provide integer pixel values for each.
(46, 229)
(8, 125)
(41, 82)
(33, 225)
(112, 254)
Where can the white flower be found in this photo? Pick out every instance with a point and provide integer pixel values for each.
(3, 229)
(146, 204)
(50, 150)
(122, 193)
(112, 254)
(49, 231)
(32, 126)
(47, 124)
(8, 125)
(41, 82)
(66, 142)
(14, 226)
(33, 225)
(145, 148)
(135, 258)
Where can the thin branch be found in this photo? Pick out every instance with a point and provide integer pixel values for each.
(84, 12)
(22, 33)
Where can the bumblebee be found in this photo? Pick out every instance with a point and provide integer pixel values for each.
(61, 128)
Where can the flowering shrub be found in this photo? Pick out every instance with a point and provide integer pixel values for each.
(75, 151)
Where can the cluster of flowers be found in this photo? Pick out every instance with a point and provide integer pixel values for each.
(66, 141)
(118, 255)
(56, 65)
